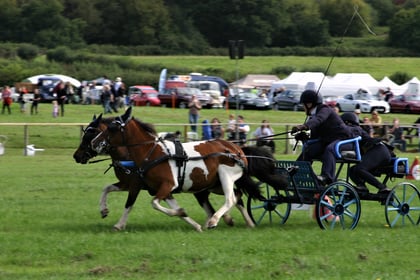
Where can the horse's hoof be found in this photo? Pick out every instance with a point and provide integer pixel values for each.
(229, 221)
(104, 213)
(182, 213)
(211, 226)
(117, 228)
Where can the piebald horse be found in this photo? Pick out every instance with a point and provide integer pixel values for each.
(166, 167)
(129, 179)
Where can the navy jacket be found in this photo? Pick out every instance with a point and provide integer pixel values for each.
(327, 126)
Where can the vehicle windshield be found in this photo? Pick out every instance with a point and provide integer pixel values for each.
(412, 98)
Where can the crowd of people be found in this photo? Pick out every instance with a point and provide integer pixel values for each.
(110, 94)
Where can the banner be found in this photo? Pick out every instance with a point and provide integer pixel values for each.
(414, 173)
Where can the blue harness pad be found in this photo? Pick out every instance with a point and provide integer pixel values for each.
(127, 163)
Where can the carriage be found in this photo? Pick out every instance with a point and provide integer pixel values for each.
(338, 205)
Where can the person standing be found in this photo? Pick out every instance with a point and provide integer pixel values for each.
(106, 98)
(55, 108)
(61, 92)
(6, 95)
(21, 99)
(194, 112)
(35, 101)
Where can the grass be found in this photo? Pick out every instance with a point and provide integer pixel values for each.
(378, 67)
(51, 227)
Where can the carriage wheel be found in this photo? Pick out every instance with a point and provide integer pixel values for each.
(338, 207)
(402, 206)
(270, 210)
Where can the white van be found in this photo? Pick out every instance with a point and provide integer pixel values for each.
(211, 88)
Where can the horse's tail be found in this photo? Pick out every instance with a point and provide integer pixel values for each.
(262, 165)
(249, 186)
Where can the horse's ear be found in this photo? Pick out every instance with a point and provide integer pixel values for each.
(94, 118)
(126, 115)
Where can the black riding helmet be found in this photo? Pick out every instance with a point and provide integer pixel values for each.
(310, 96)
(350, 118)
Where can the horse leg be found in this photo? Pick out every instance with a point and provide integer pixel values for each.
(244, 212)
(174, 205)
(203, 200)
(103, 208)
(227, 180)
(131, 199)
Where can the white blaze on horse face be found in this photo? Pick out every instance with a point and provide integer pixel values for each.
(190, 165)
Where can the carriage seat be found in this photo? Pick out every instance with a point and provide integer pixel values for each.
(397, 168)
(348, 156)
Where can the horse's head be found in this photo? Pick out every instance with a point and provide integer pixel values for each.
(112, 135)
(85, 152)
(124, 131)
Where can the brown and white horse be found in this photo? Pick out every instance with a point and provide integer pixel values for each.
(188, 167)
(128, 177)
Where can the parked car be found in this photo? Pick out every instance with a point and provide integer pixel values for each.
(362, 100)
(330, 100)
(248, 100)
(405, 104)
(181, 96)
(143, 96)
(288, 100)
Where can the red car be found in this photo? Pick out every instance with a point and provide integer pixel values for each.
(143, 96)
(405, 104)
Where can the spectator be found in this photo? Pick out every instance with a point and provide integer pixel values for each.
(21, 99)
(397, 133)
(376, 122)
(387, 94)
(106, 98)
(61, 92)
(263, 134)
(217, 131)
(6, 96)
(367, 126)
(35, 101)
(243, 129)
(358, 112)
(194, 112)
(231, 127)
(70, 92)
(55, 108)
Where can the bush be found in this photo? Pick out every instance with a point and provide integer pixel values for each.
(400, 77)
(27, 51)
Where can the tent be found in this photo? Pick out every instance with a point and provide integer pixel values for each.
(255, 81)
(395, 88)
(300, 80)
(73, 81)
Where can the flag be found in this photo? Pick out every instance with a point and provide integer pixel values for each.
(414, 173)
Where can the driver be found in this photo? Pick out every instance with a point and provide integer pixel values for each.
(327, 127)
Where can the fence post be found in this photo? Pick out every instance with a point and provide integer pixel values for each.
(286, 151)
(25, 139)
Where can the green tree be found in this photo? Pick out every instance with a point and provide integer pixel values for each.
(9, 18)
(302, 25)
(405, 29)
(339, 12)
(43, 24)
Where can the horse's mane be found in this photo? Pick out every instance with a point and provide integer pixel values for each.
(150, 128)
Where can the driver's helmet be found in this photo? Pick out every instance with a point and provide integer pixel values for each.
(350, 118)
(310, 96)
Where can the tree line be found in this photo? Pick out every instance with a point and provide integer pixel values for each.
(187, 26)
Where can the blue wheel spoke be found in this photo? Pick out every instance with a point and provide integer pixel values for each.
(349, 203)
(261, 216)
(396, 220)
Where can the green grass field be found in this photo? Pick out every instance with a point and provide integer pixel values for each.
(51, 227)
